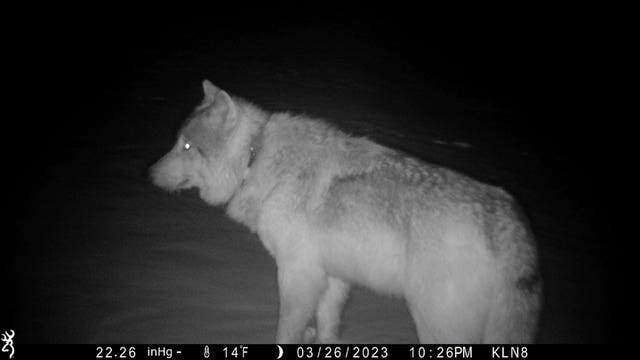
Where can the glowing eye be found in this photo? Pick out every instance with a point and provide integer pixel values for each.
(187, 146)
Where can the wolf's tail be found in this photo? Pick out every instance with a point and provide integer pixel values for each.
(514, 314)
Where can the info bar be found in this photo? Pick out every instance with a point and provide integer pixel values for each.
(304, 352)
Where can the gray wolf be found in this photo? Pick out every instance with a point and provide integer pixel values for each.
(336, 210)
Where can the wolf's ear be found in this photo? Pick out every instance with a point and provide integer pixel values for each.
(224, 102)
(221, 101)
(210, 91)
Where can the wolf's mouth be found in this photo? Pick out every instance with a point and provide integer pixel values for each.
(183, 184)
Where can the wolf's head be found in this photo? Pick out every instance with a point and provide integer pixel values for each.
(213, 149)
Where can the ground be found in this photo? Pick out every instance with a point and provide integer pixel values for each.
(98, 255)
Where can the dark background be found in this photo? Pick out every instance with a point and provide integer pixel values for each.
(95, 99)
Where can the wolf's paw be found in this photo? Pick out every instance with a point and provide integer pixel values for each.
(327, 340)
(309, 336)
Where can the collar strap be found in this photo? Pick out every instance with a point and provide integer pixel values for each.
(256, 144)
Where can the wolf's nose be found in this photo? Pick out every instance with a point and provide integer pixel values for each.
(154, 175)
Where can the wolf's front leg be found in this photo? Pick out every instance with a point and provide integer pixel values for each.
(300, 289)
(330, 310)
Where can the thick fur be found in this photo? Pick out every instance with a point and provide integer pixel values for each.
(335, 210)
